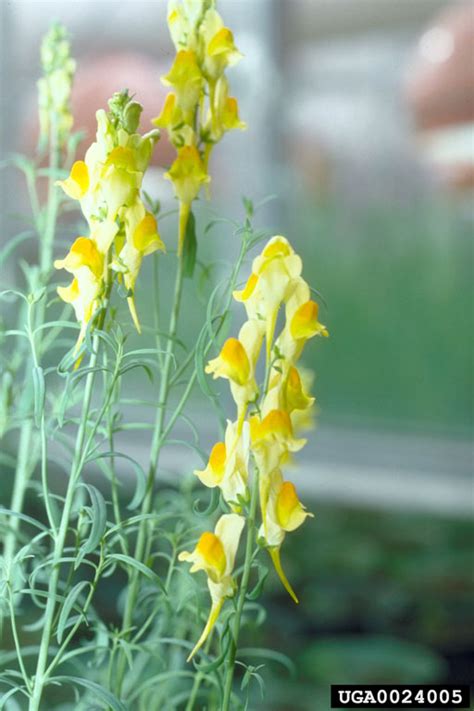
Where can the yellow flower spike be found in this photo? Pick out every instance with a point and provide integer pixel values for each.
(305, 324)
(186, 79)
(77, 184)
(215, 554)
(227, 467)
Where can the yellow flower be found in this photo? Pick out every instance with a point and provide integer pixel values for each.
(215, 554)
(272, 439)
(227, 467)
(187, 174)
(83, 253)
(232, 363)
(304, 418)
(304, 323)
(220, 51)
(282, 512)
(274, 275)
(86, 263)
(120, 180)
(141, 239)
(287, 391)
(187, 81)
(236, 363)
(179, 26)
(77, 184)
(224, 112)
(172, 118)
(301, 322)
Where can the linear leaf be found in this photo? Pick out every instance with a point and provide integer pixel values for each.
(98, 523)
(140, 567)
(69, 603)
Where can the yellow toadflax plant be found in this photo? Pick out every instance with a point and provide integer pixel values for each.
(96, 384)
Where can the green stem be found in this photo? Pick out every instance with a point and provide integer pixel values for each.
(93, 586)
(16, 638)
(249, 545)
(198, 679)
(160, 435)
(143, 530)
(27, 457)
(80, 454)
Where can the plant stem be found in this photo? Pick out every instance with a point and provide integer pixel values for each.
(27, 454)
(143, 530)
(160, 435)
(250, 542)
(79, 456)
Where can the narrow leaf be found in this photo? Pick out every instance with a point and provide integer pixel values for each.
(190, 247)
(69, 603)
(140, 567)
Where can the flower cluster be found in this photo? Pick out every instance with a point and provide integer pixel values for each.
(54, 87)
(204, 50)
(267, 416)
(107, 185)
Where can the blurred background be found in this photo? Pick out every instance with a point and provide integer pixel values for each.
(361, 121)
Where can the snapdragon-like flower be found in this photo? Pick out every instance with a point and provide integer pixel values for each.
(275, 275)
(283, 512)
(227, 467)
(215, 554)
(198, 110)
(107, 185)
(236, 363)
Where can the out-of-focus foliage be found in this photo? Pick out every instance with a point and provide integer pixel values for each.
(397, 284)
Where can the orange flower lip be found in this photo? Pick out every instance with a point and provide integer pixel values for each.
(212, 551)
